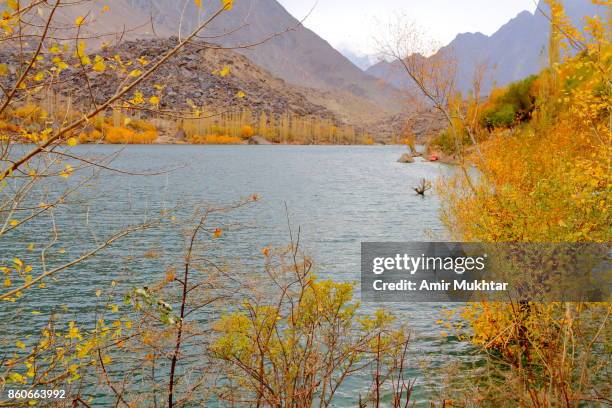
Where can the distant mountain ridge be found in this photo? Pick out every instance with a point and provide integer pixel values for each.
(361, 61)
(518, 49)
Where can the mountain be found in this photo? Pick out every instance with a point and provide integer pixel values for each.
(284, 47)
(518, 49)
(361, 61)
(191, 77)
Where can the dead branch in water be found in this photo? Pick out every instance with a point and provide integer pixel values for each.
(423, 187)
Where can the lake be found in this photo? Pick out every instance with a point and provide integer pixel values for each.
(338, 196)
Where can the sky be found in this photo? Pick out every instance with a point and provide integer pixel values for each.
(352, 24)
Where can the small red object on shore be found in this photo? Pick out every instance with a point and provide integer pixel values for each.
(434, 157)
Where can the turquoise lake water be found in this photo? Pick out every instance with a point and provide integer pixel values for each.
(338, 196)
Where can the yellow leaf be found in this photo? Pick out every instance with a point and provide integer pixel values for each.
(14, 223)
(135, 73)
(73, 331)
(240, 94)
(71, 142)
(217, 233)
(20, 344)
(98, 293)
(39, 76)
(18, 262)
(154, 100)
(3, 70)
(79, 20)
(225, 71)
(105, 9)
(227, 4)
(61, 65)
(99, 65)
(198, 3)
(16, 377)
(7, 282)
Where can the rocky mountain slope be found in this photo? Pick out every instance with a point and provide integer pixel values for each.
(298, 55)
(201, 75)
(261, 30)
(515, 51)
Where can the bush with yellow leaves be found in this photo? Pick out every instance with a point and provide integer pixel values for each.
(299, 343)
(129, 132)
(547, 181)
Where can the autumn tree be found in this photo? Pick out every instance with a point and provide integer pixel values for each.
(43, 175)
(546, 180)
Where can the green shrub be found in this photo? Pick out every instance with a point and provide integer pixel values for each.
(513, 106)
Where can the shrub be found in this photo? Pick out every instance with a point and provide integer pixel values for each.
(92, 137)
(445, 141)
(510, 106)
(30, 113)
(141, 125)
(303, 339)
(246, 131)
(8, 127)
(125, 135)
(215, 139)
(503, 116)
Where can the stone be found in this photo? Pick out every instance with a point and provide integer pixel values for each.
(258, 140)
(406, 158)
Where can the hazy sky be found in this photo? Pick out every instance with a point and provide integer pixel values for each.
(350, 24)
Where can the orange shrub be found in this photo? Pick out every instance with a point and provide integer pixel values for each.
(246, 131)
(147, 137)
(124, 135)
(118, 135)
(30, 113)
(94, 136)
(9, 127)
(215, 139)
(141, 125)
